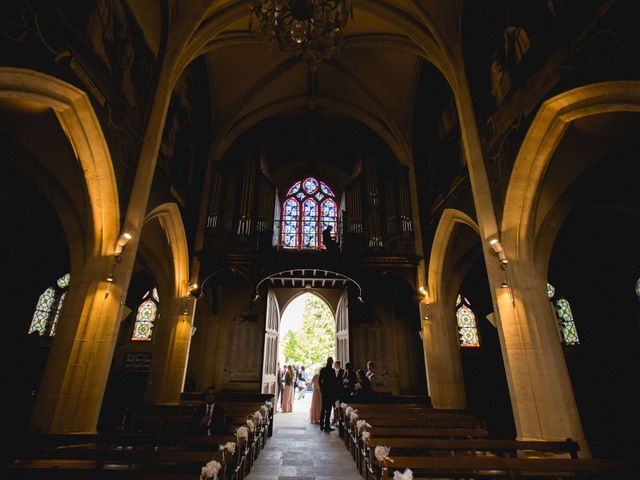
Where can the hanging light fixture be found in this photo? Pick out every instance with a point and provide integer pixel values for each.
(311, 28)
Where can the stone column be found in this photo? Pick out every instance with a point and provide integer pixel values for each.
(442, 356)
(75, 376)
(171, 350)
(544, 406)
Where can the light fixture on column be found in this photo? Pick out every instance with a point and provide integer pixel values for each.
(122, 241)
(497, 247)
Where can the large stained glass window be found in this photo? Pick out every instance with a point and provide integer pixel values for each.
(467, 328)
(49, 307)
(146, 316)
(566, 324)
(308, 209)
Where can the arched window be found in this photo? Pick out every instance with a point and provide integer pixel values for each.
(49, 307)
(568, 330)
(148, 313)
(467, 328)
(308, 209)
(638, 289)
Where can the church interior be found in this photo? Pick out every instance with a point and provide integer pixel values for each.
(180, 163)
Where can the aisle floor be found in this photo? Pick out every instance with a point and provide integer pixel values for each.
(298, 450)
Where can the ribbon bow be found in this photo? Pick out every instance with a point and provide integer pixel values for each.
(382, 454)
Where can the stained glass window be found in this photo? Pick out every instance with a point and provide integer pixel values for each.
(567, 325)
(568, 330)
(49, 307)
(290, 224)
(308, 209)
(146, 316)
(638, 289)
(467, 328)
(43, 311)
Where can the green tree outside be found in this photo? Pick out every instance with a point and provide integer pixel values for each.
(316, 340)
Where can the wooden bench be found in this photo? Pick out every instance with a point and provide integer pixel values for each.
(507, 467)
(401, 447)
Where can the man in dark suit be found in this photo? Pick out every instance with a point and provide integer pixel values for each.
(328, 387)
(209, 418)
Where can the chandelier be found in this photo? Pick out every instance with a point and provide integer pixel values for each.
(311, 28)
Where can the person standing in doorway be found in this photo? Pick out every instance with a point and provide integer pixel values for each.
(287, 395)
(339, 378)
(316, 400)
(328, 386)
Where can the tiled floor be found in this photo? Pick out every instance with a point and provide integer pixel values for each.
(298, 450)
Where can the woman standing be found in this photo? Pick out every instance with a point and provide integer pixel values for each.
(287, 395)
(316, 400)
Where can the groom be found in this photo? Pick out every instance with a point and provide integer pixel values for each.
(328, 387)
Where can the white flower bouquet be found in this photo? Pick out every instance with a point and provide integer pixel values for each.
(251, 425)
(257, 417)
(242, 432)
(229, 447)
(382, 454)
(210, 470)
(361, 425)
(366, 436)
(406, 475)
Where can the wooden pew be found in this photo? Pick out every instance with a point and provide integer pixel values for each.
(450, 447)
(507, 467)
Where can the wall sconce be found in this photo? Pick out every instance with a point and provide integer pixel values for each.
(195, 291)
(122, 241)
(497, 247)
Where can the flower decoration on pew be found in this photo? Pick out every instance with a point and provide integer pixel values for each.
(361, 425)
(366, 437)
(242, 432)
(337, 403)
(257, 417)
(382, 454)
(406, 475)
(265, 410)
(229, 447)
(251, 425)
(353, 415)
(347, 411)
(210, 470)
(269, 405)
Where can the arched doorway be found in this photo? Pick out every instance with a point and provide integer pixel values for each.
(290, 301)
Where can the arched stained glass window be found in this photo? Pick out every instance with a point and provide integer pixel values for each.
(308, 209)
(146, 316)
(566, 323)
(49, 307)
(467, 328)
(638, 289)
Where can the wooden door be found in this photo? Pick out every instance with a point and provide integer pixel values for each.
(270, 360)
(342, 328)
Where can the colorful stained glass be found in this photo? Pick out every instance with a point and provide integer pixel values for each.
(43, 310)
(458, 300)
(329, 216)
(294, 188)
(290, 223)
(154, 294)
(326, 190)
(63, 282)
(304, 216)
(310, 185)
(638, 289)
(54, 323)
(567, 325)
(310, 223)
(551, 291)
(467, 329)
(143, 327)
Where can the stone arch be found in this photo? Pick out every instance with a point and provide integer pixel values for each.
(168, 215)
(79, 121)
(317, 293)
(439, 259)
(535, 155)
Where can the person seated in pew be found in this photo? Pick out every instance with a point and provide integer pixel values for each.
(362, 388)
(209, 418)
